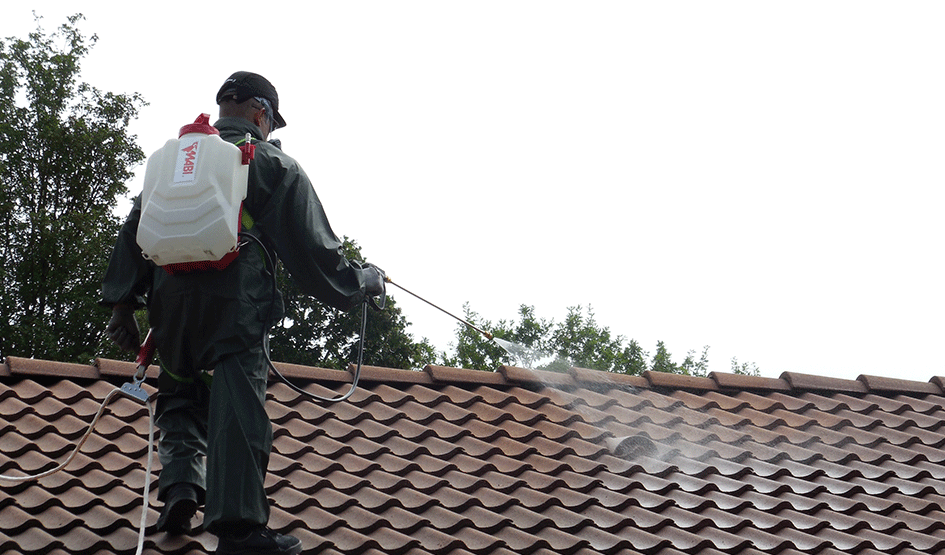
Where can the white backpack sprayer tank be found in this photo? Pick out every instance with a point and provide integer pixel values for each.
(191, 204)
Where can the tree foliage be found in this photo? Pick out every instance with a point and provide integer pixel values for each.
(316, 335)
(473, 350)
(576, 341)
(65, 156)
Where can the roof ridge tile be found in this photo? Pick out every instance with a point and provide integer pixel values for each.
(123, 369)
(34, 367)
(880, 384)
(390, 375)
(606, 380)
(679, 381)
(542, 378)
(744, 382)
(811, 382)
(465, 376)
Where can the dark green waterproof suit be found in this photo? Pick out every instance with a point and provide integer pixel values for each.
(215, 320)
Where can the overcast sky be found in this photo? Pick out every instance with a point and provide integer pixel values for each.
(764, 178)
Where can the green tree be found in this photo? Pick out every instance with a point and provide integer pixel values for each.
(472, 350)
(662, 359)
(578, 340)
(635, 358)
(692, 367)
(65, 157)
(746, 368)
(313, 334)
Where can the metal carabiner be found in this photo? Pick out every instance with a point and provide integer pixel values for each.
(145, 355)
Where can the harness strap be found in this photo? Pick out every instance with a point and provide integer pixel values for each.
(203, 375)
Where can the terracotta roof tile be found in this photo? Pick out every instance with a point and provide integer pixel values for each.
(454, 461)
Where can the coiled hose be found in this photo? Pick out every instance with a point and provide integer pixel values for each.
(270, 265)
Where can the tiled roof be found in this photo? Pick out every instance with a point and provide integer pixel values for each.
(456, 462)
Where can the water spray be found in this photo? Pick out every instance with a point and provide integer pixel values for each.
(518, 352)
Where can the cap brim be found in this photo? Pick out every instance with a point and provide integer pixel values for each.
(279, 121)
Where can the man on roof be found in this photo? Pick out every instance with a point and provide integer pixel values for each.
(216, 437)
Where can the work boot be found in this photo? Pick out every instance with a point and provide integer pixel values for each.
(258, 541)
(179, 507)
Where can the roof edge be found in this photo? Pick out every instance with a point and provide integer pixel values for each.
(887, 385)
(811, 382)
(108, 367)
(680, 381)
(463, 375)
(744, 381)
(396, 375)
(33, 367)
(512, 376)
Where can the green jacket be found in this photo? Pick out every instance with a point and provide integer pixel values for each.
(197, 318)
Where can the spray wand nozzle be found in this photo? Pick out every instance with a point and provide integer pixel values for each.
(487, 335)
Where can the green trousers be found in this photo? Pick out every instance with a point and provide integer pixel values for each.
(218, 438)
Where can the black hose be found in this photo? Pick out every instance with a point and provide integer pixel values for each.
(268, 322)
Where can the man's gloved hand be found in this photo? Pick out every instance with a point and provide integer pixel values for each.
(374, 280)
(123, 328)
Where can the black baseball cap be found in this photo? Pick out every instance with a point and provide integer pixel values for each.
(244, 84)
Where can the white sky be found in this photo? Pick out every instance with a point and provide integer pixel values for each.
(761, 177)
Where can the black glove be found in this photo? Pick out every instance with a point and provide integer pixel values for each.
(374, 279)
(123, 329)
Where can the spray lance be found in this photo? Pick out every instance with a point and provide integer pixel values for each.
(514, 350)
(486, 334)
(377, 305)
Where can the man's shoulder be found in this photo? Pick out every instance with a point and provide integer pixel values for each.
(234, 129)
